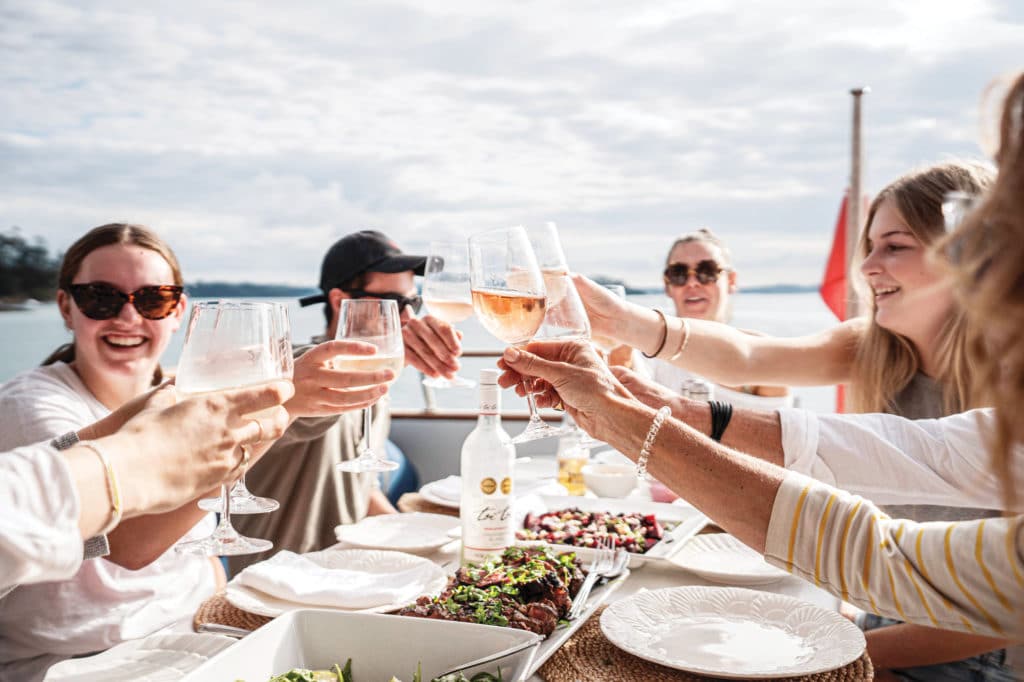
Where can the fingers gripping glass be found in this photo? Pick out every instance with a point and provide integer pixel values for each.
(99, 301)
(706, 272)
(415, 301)
(379, 323)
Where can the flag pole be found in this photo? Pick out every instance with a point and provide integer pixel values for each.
(854, 204)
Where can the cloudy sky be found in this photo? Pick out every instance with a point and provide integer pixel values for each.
(252, 135)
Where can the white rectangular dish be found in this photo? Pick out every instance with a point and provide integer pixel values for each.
(689, 522)
(379, 645)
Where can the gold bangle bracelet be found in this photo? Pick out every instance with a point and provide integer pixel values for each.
(113, 486)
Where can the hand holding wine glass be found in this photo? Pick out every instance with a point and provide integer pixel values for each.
(376, 322)
(447, 295)
(509, 299)
(229, 345)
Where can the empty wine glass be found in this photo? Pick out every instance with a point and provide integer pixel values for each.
(447, 295)
(509, 299)
(242, 499)
(228, 345)
(378, 322)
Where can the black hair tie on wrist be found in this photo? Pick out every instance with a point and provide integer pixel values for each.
(721, 413)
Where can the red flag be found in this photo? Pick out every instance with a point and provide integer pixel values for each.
(833, 284)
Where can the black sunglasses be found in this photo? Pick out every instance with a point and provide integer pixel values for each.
(415, 302)
(99, 301)
(707, 271)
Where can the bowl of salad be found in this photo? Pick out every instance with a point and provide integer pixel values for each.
(313, 645)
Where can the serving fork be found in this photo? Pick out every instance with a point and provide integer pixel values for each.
(601, 565)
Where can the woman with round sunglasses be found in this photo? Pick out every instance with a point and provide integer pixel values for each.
(120, 294)
(907, 357)
(700, 280)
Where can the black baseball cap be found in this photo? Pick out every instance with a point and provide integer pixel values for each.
(359, 252)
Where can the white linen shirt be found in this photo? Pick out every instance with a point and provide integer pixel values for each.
(39, 536)
(893, 460)
(103, 604)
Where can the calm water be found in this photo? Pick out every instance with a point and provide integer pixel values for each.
(26, 338)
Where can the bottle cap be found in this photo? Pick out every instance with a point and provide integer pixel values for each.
(489, 377)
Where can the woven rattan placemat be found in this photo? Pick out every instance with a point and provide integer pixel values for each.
(589, 656)
(414, 502)
(218, 610)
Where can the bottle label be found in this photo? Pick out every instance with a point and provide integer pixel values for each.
(486, 528)
(489, 400)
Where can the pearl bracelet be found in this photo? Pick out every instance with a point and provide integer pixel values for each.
(652, 433)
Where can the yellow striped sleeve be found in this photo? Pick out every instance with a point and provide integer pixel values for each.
(984, 569)
(794, 526)
(956, 579)
(820, 540)
(842, 551)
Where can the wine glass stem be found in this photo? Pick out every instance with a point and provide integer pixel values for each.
(225, 515)
(367, 424)
(530, 403)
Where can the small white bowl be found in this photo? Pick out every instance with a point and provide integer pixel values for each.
(610, 480)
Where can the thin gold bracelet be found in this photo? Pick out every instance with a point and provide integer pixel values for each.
(113, 487)
(685, 340)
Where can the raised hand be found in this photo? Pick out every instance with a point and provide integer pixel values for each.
(432, 346)
(573, 376)
(605, 310)
(321, 390)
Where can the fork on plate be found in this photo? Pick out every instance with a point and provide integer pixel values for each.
(601, 564)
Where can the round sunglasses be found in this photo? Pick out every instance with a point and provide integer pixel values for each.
(100, 301)
(706, 272)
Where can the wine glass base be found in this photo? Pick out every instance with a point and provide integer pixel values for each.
(537, 431)
(232, 545)
(455, 382)
(241, 504)
(362, 465)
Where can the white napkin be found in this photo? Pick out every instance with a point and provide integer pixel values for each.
(451, 488)
(295, 578)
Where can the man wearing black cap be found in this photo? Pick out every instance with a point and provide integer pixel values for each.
(300, 469)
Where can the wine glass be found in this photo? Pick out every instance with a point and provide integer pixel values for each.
(375, 321)
(242, 499)
(446, 293)
(509, 299)
(551, 260)
(228, 345)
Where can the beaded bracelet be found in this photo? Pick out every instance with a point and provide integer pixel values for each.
(652, 433)
(664, 335)
(113, 487)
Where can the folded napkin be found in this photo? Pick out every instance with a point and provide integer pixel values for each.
(450, 488)
(395, 579)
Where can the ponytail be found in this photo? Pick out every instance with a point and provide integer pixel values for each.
(65, 353)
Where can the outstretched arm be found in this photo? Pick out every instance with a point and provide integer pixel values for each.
(722, 353)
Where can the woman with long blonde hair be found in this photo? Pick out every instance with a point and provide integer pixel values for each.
(906, 356)
(963, 576)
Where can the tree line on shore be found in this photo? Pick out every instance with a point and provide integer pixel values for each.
(27, 270)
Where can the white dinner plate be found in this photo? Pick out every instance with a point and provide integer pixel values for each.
(721, 558)
(157, 658)
(434, 492)
(446, 492)
(414, 532)
(376, 563)
(731, 632)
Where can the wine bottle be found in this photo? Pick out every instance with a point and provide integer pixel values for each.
(488, 458)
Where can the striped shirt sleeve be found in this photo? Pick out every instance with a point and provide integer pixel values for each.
(966, 576)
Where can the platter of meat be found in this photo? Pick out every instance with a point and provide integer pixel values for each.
(649, 531)
(530, 588)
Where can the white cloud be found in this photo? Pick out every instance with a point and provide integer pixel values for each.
(282, 126)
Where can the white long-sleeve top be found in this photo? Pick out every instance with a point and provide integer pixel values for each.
(39, 536)
(102, 604)
(966, 575)
(892, 460)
